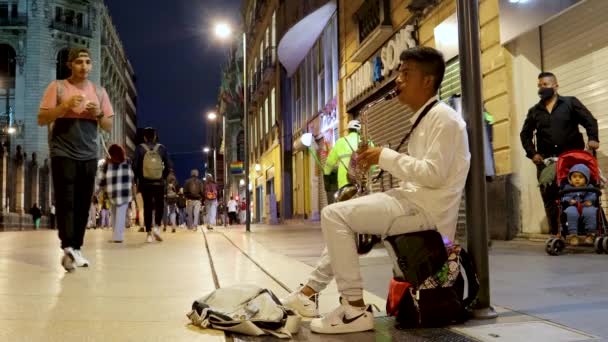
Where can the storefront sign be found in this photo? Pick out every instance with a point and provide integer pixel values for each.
(365, 77)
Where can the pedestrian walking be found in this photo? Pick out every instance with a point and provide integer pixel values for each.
(74, 109)
(36, 215)
(116, 180)
(232, 210)
(152, 165)
(211, 194)
(193, 190)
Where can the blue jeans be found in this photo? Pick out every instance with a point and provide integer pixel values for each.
(211, 206)
(119, 220)
(589, 218)
(182, 215)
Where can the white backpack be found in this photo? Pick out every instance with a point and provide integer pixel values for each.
(153, 163)
(245, 309)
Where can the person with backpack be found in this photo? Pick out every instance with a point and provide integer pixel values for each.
(36, 215)
(211, 194)
(232, 210)
(74, 109)
(116, 181)
(433, 171)
(193, 190)
(181, 207)
(151, 165)
(172, 197)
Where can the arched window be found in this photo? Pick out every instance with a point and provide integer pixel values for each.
(63, 71)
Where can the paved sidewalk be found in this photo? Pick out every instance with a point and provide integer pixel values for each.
(569, 290)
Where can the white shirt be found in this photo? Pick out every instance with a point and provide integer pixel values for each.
(52, 209)
(232, 206)
(434, 170)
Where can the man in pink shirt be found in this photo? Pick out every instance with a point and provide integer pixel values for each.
(74, 108)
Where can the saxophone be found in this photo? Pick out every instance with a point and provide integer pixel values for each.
(358, 174)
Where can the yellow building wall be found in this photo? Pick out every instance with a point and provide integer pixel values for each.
(268, 160)
(495, 63)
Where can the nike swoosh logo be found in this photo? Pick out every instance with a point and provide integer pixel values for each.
(350, 320)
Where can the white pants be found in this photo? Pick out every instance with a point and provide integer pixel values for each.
(386, 213)
(211, 206)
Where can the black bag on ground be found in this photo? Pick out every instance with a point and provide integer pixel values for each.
(441, 291)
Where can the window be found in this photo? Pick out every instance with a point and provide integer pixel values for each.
(69, 17)
(58, 13)
(266, 116)
(79, 20)
(261, 123)
(274, 28)
(273, 106)
(321, 72)
(14, 12)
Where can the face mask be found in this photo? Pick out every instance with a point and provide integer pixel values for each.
(546, 93)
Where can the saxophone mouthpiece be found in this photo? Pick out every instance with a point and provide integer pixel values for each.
(392, 94)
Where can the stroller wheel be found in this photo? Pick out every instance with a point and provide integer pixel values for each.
(557, 246)
(605, 244)
(598, 245)
(548, 245)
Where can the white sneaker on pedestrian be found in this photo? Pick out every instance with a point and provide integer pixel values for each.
(344, 319)
(79, 260)
(67, 261)
(156, 233)
(149, 239)
(304, 306)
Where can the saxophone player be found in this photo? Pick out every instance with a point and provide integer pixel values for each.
(432, 172)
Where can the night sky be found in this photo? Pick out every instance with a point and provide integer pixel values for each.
(178, 62)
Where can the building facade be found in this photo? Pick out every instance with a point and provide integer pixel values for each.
(308, 51)
(267, 169)
(35, 37)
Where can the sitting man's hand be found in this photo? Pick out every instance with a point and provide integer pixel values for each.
(369, 156)
(572, 202)
(588, 203)
(537, 159)
(594, 145)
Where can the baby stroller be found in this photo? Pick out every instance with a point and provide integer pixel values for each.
(555, 245)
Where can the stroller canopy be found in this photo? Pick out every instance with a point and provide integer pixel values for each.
(568, 159)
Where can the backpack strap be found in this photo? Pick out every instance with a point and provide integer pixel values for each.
(156, 148)
(145, 147)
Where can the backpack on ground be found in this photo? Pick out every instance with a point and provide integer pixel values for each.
(210, 191)
(153, 163)
(244, 309)
(430, 292)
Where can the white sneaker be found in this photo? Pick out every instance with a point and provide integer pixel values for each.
(67, 261)
(304, 306)
(79, 260)
(344, 319)
(149, 239)
(156, 233)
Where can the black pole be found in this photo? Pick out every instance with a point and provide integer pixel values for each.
(477, 213)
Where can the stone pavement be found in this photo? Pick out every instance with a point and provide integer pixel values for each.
(141, 292)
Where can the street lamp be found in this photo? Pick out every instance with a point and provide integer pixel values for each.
(212, 116)
(223, 31)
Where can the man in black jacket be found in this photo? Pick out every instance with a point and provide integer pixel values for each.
(151, 182)
(555, 119)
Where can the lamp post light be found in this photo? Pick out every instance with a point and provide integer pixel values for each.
(223, 31)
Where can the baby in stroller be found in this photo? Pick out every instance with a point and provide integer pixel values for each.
(580, 199)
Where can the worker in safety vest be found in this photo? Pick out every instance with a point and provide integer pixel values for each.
(340, 154)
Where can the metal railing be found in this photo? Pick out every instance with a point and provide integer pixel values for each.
(71, 28)
(20, 20)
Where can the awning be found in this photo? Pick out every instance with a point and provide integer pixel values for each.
(301, 37)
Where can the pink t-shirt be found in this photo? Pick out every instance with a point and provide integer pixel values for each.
(49, 100)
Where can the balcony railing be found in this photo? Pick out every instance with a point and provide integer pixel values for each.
(17, 21)
(71, 28)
